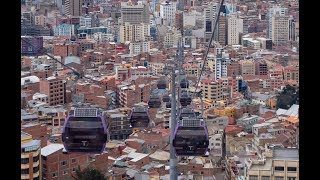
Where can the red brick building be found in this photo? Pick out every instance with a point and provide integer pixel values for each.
(57, 164)
(66, 49)
(37, 131)
(55, 89)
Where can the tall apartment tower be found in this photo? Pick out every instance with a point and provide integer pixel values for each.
(209, 17)
(280, 29)
(134, 32)
(73, 7)
(234, 29)
(168, 12)
(221, 64)
(134, 14)
(272, 11)
(222, 28)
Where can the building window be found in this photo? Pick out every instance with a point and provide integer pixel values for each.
(54, 174)
(25, 171)
(65, 172)
(24, 160)
(35, 169)
(73, 160)
(36, 159)
(278, 178)
(253, 177)
(36, 178)
(74, 169)
(294, 169)
(291, 178)
(265, 177)
(279, 168)
(63, 163)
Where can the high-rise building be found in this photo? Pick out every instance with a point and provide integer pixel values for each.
(61, 4)
(293, 29)
(55, 89)
(222, 29)
(73, 7)
(135, 14)
(221, 65)
(168, 12)
(234, 29)
(134, 32)
(209, 17)
(179, 20)
(212, 89)
(272, 11)
(30, 157)
(280, 29)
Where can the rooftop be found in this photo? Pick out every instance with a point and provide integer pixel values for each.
(160, 155)
(25, 135)
(266, 166)
(286, 154)
(292, 111)
(30, 79)
(31, 143)
(136, 156)
(50, 149)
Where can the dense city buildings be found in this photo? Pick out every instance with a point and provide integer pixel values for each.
(118, 58)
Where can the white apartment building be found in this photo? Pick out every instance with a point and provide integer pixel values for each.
(234, 29)
(272, 11)
(139, 47)
(134, 32)
(168, 12)
(85, 21)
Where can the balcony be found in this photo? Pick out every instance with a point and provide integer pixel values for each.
(24, 176)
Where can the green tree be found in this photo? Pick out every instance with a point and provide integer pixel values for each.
(88, 174)
(288, 97)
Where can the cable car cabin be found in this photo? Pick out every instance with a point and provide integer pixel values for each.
(85, 131)
(187, 113)
(139, 117)
(191, 137)
(166, 98)
(154, 101)
(162, 84)
(185, 99)
(184, 83)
